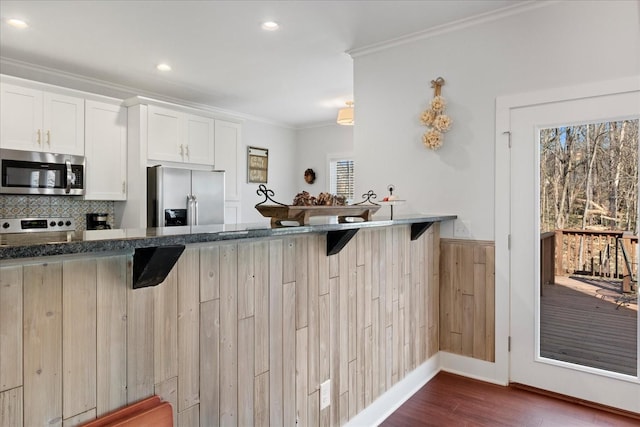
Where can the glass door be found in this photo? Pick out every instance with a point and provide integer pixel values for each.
(560, 340)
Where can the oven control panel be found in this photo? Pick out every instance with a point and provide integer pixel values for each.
(31, 225)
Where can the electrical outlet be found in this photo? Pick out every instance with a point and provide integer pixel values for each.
(461, 228)
(325, 394)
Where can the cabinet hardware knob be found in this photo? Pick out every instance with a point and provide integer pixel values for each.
(49, 137)
(39, 136)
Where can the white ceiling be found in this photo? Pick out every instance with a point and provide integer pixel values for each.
(297, 76)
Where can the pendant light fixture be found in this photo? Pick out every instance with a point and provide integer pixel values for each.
(345, 115)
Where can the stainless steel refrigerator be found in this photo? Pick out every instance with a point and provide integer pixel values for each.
(184, 197)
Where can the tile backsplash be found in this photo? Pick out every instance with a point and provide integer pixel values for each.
(13, 206)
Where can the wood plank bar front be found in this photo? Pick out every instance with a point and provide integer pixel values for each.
(241, 332)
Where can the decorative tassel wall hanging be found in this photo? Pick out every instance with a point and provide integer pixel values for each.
(434, 119)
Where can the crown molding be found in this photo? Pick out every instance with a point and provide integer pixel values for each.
(53, 76)
(451, 27)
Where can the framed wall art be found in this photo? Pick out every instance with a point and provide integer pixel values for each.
(257, 164)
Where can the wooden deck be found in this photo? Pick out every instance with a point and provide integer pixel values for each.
(578, 326)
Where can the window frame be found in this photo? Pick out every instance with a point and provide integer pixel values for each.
(336, 157)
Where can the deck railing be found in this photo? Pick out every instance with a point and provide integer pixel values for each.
(547, 258)
(610, 254)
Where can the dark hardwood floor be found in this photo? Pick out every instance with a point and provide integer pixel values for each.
(452, 400)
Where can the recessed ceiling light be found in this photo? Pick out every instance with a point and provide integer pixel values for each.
(17, 23)
(164, 67)
(270, 26)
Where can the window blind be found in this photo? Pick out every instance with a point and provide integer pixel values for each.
(342, 178)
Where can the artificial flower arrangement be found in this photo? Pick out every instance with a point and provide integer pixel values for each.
(434, 118)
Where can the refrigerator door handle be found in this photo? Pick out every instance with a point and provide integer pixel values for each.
(195, 211)
(189, 209)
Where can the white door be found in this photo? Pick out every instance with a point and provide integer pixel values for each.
(21, 118)
(63, 124)
(41, 121)
(164, 135)
(199, 140)
(526, 365)
(106, 151)
(228, 140)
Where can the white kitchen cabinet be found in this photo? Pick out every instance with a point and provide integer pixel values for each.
(199, 140)
(175, 136)
(164, 135)
(155, 131)
(228, 140)
(232, 211)
(106, 151)
(36, 120)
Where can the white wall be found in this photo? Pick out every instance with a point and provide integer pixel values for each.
(564, 43)
(314, 146)
(282, 175)
(291, 152)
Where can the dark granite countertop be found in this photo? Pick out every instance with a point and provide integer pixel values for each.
(30, 245)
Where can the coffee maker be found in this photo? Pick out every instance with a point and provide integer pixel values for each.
(98, 221)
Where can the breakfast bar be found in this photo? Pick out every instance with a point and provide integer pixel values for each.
(247, 327)
(96, 241)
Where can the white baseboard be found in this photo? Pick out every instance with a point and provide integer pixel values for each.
(393, 398)
(473, 368)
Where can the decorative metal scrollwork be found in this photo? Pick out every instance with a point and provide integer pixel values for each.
(267, 193)
(368, 196)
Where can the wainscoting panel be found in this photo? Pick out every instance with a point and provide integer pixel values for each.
(467, 295)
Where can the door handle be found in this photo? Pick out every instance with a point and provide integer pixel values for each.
(69, 172)
(39, 138)
(189, 209)
(195, 211)
(49, 137)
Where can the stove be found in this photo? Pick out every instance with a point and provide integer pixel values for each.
(33, 225)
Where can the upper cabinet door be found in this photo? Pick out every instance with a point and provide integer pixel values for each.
(175, 136)
(106, 151)
(20, 118)
(34, 120)
(199, 140)
(228, 140)
(63, 124)
(164, 133)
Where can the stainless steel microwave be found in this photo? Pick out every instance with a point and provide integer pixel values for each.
(30, 172)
